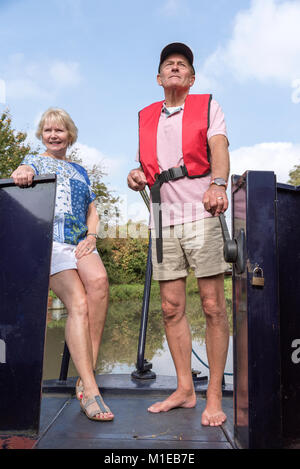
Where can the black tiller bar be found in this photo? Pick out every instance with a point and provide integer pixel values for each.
(64, 365)
(143, 367)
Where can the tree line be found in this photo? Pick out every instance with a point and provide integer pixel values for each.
(124, 258)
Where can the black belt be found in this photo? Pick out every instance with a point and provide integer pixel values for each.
(169, 175)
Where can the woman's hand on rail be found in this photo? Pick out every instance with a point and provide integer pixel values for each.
(23, 176)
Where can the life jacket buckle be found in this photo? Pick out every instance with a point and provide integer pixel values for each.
(177, 172)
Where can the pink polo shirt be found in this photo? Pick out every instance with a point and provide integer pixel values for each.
(181, 200)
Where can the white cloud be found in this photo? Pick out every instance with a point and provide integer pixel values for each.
(26, 89)
(65, 73)
(208, 74)
(73, 8)
(90, 156)
(265, 44)
(28, 79)
(2, 92)
(174, 8)
(279, 157)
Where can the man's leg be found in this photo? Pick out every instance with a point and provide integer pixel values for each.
(180, 344)
(211, 291)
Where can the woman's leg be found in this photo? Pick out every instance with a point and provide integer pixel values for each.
(94, 278)
(68, 286)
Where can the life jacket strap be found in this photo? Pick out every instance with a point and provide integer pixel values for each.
(170, 174)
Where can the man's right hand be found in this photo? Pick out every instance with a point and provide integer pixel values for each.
(23, 176)
(136, 179)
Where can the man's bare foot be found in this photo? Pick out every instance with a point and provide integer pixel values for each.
(177, 399)
(213, 414)
(213, 419)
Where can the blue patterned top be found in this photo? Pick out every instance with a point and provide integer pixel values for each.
(73, 196)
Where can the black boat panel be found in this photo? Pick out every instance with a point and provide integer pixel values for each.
(266, 320)
(288, 227)
(26, 217)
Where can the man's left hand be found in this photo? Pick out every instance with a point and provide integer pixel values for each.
(215, 200)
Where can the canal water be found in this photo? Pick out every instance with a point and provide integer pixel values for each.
(118, 351)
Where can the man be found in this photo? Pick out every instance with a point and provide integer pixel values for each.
(183, 151)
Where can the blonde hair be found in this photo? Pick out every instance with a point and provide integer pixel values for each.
(61, 116)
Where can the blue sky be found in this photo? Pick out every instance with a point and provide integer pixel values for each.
(98, 60)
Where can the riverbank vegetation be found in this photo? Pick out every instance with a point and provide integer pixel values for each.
(125, 260)
(122, 326)
(124, 256)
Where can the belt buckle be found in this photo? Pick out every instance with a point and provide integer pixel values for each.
(176, 172)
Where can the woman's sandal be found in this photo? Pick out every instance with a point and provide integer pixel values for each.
(102, 406)
(79, 389)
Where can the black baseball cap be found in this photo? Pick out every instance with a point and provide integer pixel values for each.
(176, 48)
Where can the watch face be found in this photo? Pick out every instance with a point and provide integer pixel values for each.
(220, 181)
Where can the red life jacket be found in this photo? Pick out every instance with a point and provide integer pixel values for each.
(195, 123)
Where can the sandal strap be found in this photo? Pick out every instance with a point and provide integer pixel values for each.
(79, 387)
(98, 399)
(103, 407)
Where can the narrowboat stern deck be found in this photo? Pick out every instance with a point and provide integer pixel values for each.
(64, 426)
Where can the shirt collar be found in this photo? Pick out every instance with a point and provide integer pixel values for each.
(168, 113)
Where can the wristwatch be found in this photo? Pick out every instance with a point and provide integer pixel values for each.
(219, 182)
(92, 234)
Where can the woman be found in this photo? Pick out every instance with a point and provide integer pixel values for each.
(78, 276)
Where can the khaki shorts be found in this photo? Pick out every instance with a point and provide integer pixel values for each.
(198, 245)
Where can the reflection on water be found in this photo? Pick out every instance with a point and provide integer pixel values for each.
(118, 352)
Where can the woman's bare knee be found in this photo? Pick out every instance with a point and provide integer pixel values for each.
(98, 285)
(78, 307)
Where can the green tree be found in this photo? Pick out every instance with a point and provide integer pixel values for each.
(106, 201)
(12, 146)
(125, 259)
(13, 150)
(295, 176)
